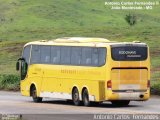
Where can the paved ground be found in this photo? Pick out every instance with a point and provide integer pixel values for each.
(14, 103)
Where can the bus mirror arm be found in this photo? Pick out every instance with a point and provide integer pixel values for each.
(21, 58)
(18, 63)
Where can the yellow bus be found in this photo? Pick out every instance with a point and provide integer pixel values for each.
(85, 70)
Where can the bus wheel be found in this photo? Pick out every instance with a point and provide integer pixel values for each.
(120, 102)
(75, 97)
(85, 98)
(34, 95)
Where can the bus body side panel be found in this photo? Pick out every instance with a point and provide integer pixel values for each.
(24, 85)
(59, 80)
(35, 77)
(51, 79)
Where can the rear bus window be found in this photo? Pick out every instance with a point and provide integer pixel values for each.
(129, 53)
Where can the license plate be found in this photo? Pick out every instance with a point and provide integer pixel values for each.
(129, 91)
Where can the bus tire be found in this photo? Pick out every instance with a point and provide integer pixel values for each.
(120, 102)
(85, 98)
(75, 97)
(34, 95)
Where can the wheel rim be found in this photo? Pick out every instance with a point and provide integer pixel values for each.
(76, 97)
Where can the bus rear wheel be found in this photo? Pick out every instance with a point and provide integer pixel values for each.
(75, 97)
(120, 102)
(85, 98)
(34, 95)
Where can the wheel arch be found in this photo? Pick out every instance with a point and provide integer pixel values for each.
(75, 87)
(91, 97)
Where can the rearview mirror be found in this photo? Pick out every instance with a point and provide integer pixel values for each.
(17, 66)
(25, 66)
(18, 63)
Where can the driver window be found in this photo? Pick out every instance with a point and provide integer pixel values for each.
(25, 63)
(26, 53)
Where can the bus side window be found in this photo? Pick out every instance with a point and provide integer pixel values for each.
(102, 56)
(95, 54)
(65, 55)
(35, 54)
(55, 54)
(45, 54)
(86, 56)
(76, 55)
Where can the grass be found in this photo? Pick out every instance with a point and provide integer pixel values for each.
(155, 89)
(27, 20)
(9, 82)
(34, 20)
(9, 52)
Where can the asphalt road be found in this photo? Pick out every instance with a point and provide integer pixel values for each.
(14, 103)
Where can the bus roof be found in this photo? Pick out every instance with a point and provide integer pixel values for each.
(85, 41)
(81, 39)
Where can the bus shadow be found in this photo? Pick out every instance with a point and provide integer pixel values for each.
(99, 105)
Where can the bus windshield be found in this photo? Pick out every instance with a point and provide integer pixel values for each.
(129, 53)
